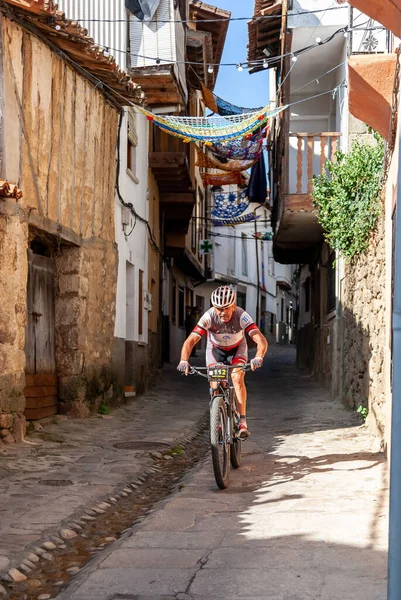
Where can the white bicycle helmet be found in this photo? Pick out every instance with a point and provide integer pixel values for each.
(223, 296)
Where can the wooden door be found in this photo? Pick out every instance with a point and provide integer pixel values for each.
(41, 380)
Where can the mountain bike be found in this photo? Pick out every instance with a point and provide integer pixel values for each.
(225, 441)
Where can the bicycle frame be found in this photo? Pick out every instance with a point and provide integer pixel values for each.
(225, 445)
(225, 389)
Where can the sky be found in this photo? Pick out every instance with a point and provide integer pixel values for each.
(240, 88)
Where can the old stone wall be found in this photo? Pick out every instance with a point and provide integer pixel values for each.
(364, 313)
(13, 281)
(60, 139)
(85, 309)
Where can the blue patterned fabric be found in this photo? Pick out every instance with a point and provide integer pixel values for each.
(229, 204)
(236, 221)
(226, 108)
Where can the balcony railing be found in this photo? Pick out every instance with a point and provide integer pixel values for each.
(308, 153)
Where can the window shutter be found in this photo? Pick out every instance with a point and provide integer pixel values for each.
(132, 135)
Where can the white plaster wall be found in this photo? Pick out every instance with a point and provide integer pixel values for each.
(132, 248)
(326, 18)
(225, 248)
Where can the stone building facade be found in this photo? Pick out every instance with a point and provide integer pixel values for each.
(364, 314)
(58, 272)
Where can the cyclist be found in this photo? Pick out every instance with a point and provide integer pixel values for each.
(226, 325)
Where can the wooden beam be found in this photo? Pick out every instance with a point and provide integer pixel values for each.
(298, 203)
(299, 166)
(182, 198)
(310, 163)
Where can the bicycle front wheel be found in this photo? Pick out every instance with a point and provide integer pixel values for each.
(219, 441)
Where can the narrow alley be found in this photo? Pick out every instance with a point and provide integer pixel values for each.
(305, 517)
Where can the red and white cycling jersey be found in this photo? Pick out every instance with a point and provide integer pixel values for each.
(225, 335)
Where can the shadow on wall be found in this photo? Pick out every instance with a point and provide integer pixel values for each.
(350, 363)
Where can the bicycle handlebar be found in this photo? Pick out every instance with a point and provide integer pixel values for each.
(197, 370)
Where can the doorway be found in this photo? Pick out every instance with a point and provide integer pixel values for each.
(40, 348)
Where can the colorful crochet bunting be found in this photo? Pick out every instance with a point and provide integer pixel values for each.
(210, 130)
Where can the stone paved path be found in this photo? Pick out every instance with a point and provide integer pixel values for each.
(80, 461)
(305, 518)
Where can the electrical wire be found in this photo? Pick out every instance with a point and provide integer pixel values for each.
(134, 106)
(245, 63)
(236, 237)
(228, 19)
(129, 205)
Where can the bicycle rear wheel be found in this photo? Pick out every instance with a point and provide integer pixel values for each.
(219, 442)
(236, 452)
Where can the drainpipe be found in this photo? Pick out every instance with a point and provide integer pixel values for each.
(394, 552)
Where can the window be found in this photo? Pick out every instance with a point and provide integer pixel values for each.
(241, 300)
(132, 143)
(282, 310)
(244, 254)
(307, 294)
(181, 306)
(331, 283)
(200, 213)
(153, 292)
(193, 231)
(140, 303)
(173, 300)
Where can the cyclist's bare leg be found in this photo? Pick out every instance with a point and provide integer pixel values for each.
(238, 378)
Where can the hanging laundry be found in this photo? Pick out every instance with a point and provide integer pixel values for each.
(144, 10)
(257, 189)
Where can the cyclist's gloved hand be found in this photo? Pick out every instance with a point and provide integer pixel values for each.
(256, 362)
(184, 367)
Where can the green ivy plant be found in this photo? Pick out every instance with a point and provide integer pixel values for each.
(103, 409)
(363, 411)
(346, 196)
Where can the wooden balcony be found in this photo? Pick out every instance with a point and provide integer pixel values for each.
(156, 57)
(298, 233)
(171, 171)
(161, 85)
(169, 162)
(308, 153)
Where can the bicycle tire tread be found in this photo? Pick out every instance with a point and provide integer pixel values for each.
(221, 477)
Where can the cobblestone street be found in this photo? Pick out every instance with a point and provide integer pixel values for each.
(304, 518)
